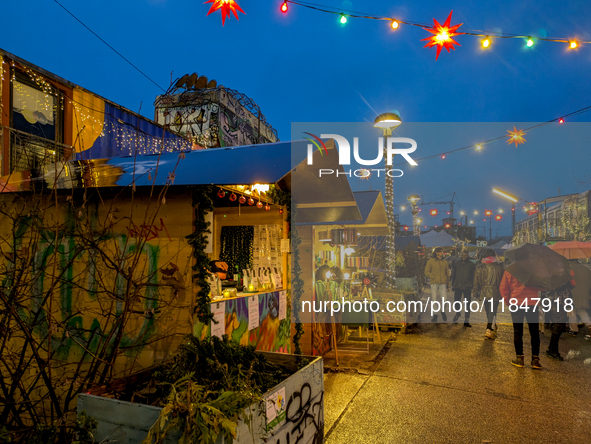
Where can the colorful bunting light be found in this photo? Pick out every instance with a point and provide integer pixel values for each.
(516, 136)
(443, 35)
(227, 7)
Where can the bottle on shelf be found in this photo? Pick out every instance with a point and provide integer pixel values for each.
(236, 274)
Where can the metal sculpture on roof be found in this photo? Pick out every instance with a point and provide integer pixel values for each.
(212, 115)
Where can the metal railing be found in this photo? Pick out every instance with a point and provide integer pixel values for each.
(30, 152)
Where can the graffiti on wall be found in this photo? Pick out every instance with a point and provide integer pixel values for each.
(86, 289)
(272, 334)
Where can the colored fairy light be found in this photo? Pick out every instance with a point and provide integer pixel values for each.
(573, 44)
(486, 42)
(478, 147)
(443, 156)
(530, 42)
(284, 7)
(394, 24)
(561, 120)
(343, 18)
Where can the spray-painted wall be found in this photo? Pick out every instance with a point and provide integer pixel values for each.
(272, 333)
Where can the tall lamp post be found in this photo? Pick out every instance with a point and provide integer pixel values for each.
(514, 200)
(414, 199)
(387, 122)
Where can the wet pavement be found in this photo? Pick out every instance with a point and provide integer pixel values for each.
(448, 384)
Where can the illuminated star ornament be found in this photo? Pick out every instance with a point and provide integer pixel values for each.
(366, 174)
(442, 35)
(516, 136)
(226, 6)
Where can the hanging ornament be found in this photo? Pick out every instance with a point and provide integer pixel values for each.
(516, 136)
(242, 200)
(267, 207)
(233, 197)
(251, 201)
(280, 210)
(226, 6)
(442, 35)
(221, 194)
(284, 7)
(259, 205)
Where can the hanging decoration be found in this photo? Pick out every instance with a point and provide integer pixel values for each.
(259, 205)
(227, 6)
(242, 200)
(268, 207)
(516, 136)
(221, 193)
(251, 201)
(233, 197)
(443, 35)
(433, 212)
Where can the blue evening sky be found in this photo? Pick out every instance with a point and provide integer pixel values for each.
(304, 66)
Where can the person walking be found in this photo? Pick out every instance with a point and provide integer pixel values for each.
(581, 295)
(559, 315)
(462, 280)
(521, 301)
(487, 280)
(437, 270)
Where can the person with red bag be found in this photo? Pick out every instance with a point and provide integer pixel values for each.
(515, 293)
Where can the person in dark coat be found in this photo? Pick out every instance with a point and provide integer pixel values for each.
(487, 280)
(462, 280)
(581, 297)
(559, 315)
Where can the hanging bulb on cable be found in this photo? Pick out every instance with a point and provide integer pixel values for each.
(343, 18)
(284, 7)
(486, 42)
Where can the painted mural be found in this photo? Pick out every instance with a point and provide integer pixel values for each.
(272, 334)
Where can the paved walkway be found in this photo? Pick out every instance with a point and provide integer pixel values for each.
(448, 384)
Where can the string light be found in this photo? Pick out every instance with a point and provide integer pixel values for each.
(530, 42)
(573, 44)
(284, 7)
(343, 19)
(394, 24)
(478, 147)
(486, 42)
(443, 156)
(561, 120)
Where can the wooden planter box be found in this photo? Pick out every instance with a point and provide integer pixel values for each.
(301, 419)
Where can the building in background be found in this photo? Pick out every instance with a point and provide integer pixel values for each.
(47, 119)
(212, 116)
(563, 220)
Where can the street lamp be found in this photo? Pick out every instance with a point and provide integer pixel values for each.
(414, 199)
(514, 200)
(387, 122)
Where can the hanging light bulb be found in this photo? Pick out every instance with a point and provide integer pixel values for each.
(284, 7)
(394, 24)
(479, 147)
(561, 120)
(343, 18)
(443, 156)
(573, 44)
(530, 42)
(486, 42)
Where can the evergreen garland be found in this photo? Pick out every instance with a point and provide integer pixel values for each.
(282, 197)
(198, 240)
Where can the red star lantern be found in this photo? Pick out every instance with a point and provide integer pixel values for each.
(516, 136)
(442, 35)
(227, 6)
